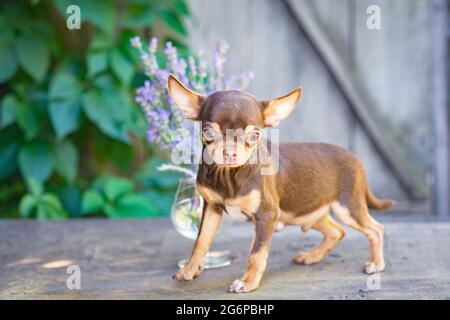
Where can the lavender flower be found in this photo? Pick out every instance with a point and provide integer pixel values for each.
(136, 42)
(219, 61)
(171, 54)
(153, 46)
(166, 124)
(192, 67)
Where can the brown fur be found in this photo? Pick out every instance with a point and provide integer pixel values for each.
(313, 178)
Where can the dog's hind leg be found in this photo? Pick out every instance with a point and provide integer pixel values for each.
(332, 233)
(357, 216)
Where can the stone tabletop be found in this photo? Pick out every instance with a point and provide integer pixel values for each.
(135, 259)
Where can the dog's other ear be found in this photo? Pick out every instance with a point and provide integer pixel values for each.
(279, 109)
(187, 100)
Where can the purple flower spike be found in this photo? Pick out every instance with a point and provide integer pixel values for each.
(222, 47)
(153, 46)
(192, 67)
(136, 42)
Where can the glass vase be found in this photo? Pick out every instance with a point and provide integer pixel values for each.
(186, 215)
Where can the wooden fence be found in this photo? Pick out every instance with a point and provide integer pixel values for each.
(380, 93)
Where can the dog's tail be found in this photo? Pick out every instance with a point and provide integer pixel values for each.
(374, 203)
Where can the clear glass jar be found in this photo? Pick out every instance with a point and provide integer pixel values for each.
(186, 215)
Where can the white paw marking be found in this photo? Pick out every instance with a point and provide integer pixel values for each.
(371, 268)
(279, 226)
(237, 286)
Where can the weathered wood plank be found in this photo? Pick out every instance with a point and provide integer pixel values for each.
(135, 259)
(341, 32)
(265, 39)
(440, 109)
(394, 65)
(409, 176)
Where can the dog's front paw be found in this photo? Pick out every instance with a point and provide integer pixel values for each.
(239, 286)
(187, 273)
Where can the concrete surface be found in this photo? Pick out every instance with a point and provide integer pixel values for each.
(132, 259)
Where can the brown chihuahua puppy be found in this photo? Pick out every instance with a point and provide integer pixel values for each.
(312, 178)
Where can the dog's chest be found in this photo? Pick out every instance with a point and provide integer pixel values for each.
(240, 207)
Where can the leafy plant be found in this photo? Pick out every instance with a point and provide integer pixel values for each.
(39, 204)
(67, 113)
(116, 197)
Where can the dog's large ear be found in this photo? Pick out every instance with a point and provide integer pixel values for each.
(187, 100)
(279, 109)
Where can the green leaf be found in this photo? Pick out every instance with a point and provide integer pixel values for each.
(122, 67)
(181, 6)
(101, 41)
(132, 205)
(8, 63)
(161, 200)
(35, 187)
(9, 146)
(65, 116)
(98, 111)
(64, 85)
(7, 35)
(36, 160)
(116, 187)
(97, 62)
(52, 200)
(28, 120)
(110, 108)
(10, 106)
(149, 177)
(50, 208)
(173, 21)
(65, 106)
(27, 204)
(34, 56)
(108, 150)
(119, 105)
(70, 196)
(92, 201)
(42, 206)
(105, 83)
(101, 13)
(44, 212)
(66, 155)
(138, 16)
(8, 154)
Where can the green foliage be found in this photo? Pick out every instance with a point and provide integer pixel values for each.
(10, 106)
(8, 63)
(9, 148)
(117, 198)
(158, 186)
(66, 160)
(33, 56)
(36, 160)
(69, 128)
(64, 107)
(39, 204)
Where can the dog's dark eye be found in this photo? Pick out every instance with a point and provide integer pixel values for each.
(209, 135)
(253, 137)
